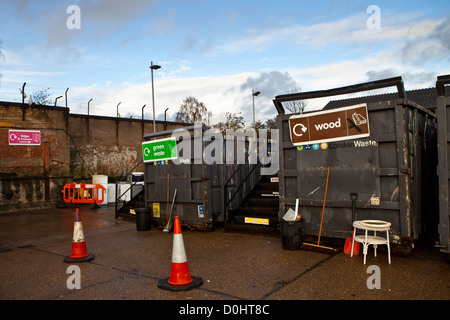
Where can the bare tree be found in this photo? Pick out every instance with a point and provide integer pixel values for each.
(296, 106)
(41, 97)
(233, 121)
(191, 110)
(271, 123)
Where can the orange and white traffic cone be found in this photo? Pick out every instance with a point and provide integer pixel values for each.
(79, 251)
(180, 278)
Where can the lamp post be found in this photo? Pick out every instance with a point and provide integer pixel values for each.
(254, 94)
(153, 67)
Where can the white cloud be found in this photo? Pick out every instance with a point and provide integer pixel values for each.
(351, 29)
(218, 93)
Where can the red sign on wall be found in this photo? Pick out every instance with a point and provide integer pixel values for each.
(24, 137)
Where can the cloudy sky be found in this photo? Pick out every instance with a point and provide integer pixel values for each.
(216, 51)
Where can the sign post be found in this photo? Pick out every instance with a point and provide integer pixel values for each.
(157, 150)
(330, 125)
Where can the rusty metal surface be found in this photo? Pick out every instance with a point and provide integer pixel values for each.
(443, 106)
(392, 172)
(216, 187)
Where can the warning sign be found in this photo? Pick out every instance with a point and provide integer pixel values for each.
(156, 212)
(330, 125)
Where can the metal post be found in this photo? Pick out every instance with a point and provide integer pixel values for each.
(254, 94)
(165, 124)
(66, 96)
(153, 67)
(153, 100)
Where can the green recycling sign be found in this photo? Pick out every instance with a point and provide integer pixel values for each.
(162, 149)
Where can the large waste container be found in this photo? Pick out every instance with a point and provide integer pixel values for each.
(143, 219)
(204, 191)
(443, 113)
(393, 170)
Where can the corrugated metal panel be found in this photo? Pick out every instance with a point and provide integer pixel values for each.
(193, 182)
(203, 190)
(443, 112)
(389, 171)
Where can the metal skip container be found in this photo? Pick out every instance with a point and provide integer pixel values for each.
(191, 180)
(382, 158)
(443, 113)
(199, 200)
(212, 174)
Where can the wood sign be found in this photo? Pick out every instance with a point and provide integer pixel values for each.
(330, 125)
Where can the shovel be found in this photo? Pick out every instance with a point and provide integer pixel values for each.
(348, 241)
(169, 222)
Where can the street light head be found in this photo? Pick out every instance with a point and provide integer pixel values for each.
(155, 67)
(256, 93)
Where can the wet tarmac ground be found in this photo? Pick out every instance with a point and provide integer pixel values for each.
(235, 266)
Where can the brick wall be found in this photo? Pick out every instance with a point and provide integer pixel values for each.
(78, 147)
(107, 145)
(31, 175)
(28, 161)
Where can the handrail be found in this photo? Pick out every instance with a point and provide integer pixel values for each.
(239, 185)
(117, 183)
(227, 200)
(242, 183)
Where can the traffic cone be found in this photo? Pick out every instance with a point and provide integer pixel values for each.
(180, 278)
(79, 252)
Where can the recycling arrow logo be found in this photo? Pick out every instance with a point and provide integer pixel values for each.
(303, 129)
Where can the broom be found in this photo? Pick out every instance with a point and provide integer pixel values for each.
(168, 193)
(169, 223)
(317, 247)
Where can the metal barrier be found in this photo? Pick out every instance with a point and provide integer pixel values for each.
(83, 193)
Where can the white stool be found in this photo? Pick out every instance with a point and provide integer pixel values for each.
(366, 239)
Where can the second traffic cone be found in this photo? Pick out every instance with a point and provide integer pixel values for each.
(180, 278)
(79, 251)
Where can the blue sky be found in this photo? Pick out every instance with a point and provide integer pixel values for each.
(215, 51)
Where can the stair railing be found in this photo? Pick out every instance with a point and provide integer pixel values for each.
(131, 186)
(251, 179)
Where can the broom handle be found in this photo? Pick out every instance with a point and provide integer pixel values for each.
(323, 207)
(168, 191)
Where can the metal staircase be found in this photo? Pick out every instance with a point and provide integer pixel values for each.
(260, 206)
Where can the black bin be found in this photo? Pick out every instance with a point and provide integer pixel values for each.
(291, 234)
(143, 219)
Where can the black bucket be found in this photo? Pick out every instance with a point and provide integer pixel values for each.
(143, 219)
(291, 234)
